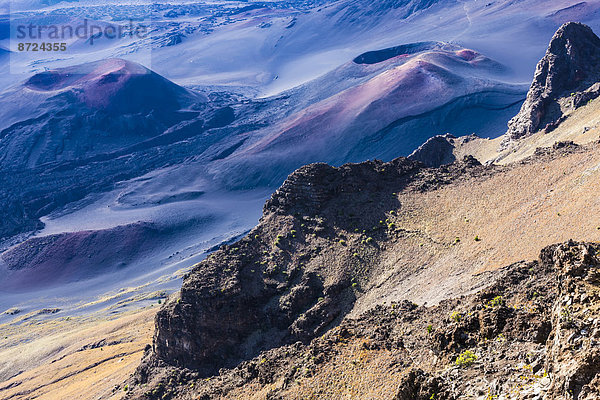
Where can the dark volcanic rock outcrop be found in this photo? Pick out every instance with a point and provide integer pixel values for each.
(566, 78)
(275, 286)
(295, 275)
(436, 151)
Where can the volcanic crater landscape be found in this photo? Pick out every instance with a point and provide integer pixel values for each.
(303, 200)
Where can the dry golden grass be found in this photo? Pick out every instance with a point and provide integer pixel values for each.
(56, 365)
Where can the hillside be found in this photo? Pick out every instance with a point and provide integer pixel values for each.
(411, 277)
(532, 333)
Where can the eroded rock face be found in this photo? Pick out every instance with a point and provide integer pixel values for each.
(573, 345)
(298, 273)
(566, 78)
(436, 151)
(274, 287)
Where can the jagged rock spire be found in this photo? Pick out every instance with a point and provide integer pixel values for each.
(563, 79)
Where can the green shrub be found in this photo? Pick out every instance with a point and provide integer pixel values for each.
(465, 358)
(455, 316)
(496, 301)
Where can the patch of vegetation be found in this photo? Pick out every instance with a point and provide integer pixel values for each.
(455, 316)
(496, 302)
(466, 358)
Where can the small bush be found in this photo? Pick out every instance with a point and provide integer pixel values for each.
(496, 301)
(465, 358)
(455, 316)
(477, 239)
(429, 328)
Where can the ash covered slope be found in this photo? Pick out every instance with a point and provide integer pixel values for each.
(70, 132)
(383, 104)
(566, 78)
(74, 113)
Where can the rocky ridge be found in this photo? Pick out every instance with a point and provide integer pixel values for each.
(298, 272)
(533, 333)
(439, 150)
